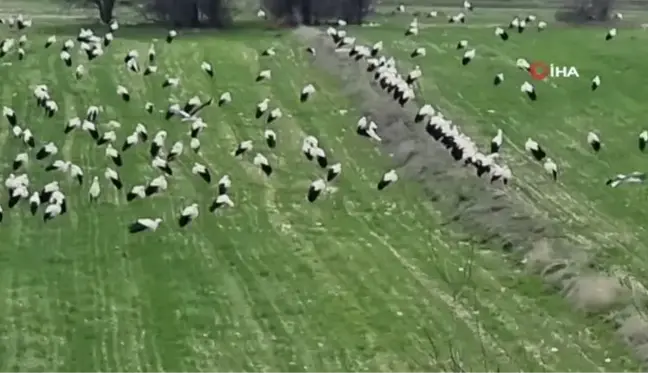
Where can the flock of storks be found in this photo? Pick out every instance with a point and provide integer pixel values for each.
(460, 146)
(382, 68)
(51, 197)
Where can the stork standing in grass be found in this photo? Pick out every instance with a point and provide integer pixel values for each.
(425, 111)
(643, 140)
(333, 172)
(202, 171)
(496, 142)
(224, 184)
(221, 201)
(306, 93)
(551, 168)
(315, 189)
(262, 162)
(387, 179)
(535, 149)
(137, 191)
(145, 224)
(594, 141)
(188, 214)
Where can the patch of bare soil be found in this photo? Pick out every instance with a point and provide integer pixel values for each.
(491, 214)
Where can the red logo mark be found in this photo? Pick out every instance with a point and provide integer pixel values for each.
(539, 70)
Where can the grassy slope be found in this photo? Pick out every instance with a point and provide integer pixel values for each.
(358, 281)
(609, 222)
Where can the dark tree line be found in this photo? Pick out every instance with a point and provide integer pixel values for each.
(583, 11)
(177, 13)
(219, 13)
(314, 12)
(190, 13)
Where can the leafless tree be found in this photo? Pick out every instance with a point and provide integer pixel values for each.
(105, 7)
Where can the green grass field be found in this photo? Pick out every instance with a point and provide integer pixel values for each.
(358, 281)
(560, 119)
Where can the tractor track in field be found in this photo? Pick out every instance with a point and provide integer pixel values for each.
(495, 218)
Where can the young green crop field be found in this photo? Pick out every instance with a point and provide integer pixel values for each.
(360, 280)
(561, 118)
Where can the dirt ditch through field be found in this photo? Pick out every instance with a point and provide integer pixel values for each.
(493, 215)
